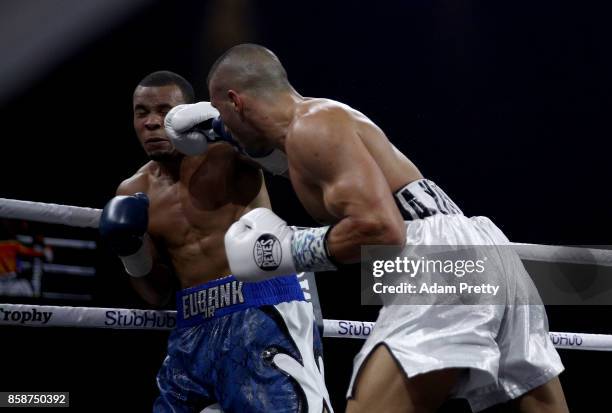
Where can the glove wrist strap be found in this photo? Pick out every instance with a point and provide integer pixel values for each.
(309, 250)
(139, 263)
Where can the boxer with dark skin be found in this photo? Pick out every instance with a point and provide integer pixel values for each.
(345, 171)
(193, 200)
(231, 345)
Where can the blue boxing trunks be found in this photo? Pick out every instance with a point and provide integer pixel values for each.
(250, 347)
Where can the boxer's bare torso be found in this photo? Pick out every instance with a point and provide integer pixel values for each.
(192, 206)
(339, 161)
(345, 172)
(339, 125)
(349, 137)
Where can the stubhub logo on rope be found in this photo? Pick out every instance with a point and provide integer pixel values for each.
(32, 316)
(566, 339)
(143, 318)
(354, 328)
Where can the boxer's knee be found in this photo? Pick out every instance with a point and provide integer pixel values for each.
(547, 398)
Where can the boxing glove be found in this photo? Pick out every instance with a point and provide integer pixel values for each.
(123, 225)
(188, 128)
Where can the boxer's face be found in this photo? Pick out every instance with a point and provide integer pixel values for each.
(234, 114)
(231, 109)
(151, 104)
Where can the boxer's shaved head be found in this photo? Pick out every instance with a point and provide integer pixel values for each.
(245, 84)
(248, 68)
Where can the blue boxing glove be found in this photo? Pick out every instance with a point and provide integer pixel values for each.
(123, 225)
(274, 161)
(221, 132)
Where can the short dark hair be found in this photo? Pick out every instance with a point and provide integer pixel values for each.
(165, 78)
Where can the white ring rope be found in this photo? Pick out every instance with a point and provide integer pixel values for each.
(90, 217)
(50, 213)
(563, 254)
(123, 318)
(56, 316)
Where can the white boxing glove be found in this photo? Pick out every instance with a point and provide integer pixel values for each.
(180, 123)
(261, 245)
(258, 246)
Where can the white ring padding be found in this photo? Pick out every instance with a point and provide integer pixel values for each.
(50, 213)
(122, 318)
(90, 217)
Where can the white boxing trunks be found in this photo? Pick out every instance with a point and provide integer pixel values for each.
(504, 348)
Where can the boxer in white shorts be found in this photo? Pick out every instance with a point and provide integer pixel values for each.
(347, 174)
(504, 351)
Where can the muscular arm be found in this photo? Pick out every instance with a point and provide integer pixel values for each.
(156, 287)
(262, 200)
(325, 151)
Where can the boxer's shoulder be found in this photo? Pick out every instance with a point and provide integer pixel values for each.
(318, 110)
(139, 182)
(319, 123)
(318, 137)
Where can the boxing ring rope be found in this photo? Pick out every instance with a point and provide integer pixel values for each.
(90, 218)
(50, 213)
(123, 318)
(33, 315)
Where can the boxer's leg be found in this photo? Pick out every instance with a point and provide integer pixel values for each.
(178, 391)
(547, 398)
(382, 386)
(265, 368)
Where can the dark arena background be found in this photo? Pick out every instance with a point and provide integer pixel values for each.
(506, 105)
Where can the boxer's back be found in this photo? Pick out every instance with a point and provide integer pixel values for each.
(397, 169)
(188, 216)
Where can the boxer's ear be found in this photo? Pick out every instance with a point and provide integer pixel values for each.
(236, 100)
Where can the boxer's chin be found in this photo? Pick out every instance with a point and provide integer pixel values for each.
(164, 156)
